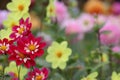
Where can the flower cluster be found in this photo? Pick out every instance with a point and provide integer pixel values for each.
(26, 47)
(80, 45)
(19, 44)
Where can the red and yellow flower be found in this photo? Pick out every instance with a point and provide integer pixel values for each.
(32, 46)
(5, 46)
(20, 57)
(26, 50)
(21, 30)
(38, 74)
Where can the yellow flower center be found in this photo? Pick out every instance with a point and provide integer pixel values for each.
(32, 47)
(51, 10)
(59, 54)
(20, 7)
(13, 24)
(20, 31)
(3, 47)
(21, 55)
(86, 22)
(39, 77)
(87, 79)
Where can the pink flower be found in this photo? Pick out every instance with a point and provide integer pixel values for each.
(86, 22)
(116, 49)
(101, 19)
(3, 16)
(116, 7)
(115, 20)
(38, 74)
(61, 11)
(72, 27)
(21, 30)
(110, 34)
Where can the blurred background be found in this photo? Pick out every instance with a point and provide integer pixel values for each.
(77, 21)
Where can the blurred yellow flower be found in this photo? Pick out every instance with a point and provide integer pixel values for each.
(115, 76)
(58, 54)
(1, 67)
(13, 68)
(104, 58)
(19, 8)
(5, 33)
(91, 76)
(11, 21)
(51, 9)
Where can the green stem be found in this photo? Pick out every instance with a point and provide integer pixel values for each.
(100, 53)
(18, 68)
(99, 46)
(110, 61)
(3, 72)
(4, 65)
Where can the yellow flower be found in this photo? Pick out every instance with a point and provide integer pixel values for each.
(1, 67)
(104, 58)
(5, 33)
(13, 68)
(19, 8)
(11, 21)
(58, 54)
(51, 9)
(91, 76)
(115, 76)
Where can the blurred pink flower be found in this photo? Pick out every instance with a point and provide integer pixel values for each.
(116, 49)
(72, 27)
(101, 19)
(61, 11)
(110, 34)
(86, 22)
(114, 20)
(116, 8)
(3, 16)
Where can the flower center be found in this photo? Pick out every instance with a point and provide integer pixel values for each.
(86, 22)
(20, 7)
(20, 31)
(21, 55)
(51, 10)
(13, 24)
(3, 47)
(59, 54)
(87, 78)
(39, 77)
(32, 47)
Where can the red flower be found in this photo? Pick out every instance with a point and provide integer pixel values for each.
(38, 74)
(31, 45)
(5, 46)
(20, 57)
(23, 29)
